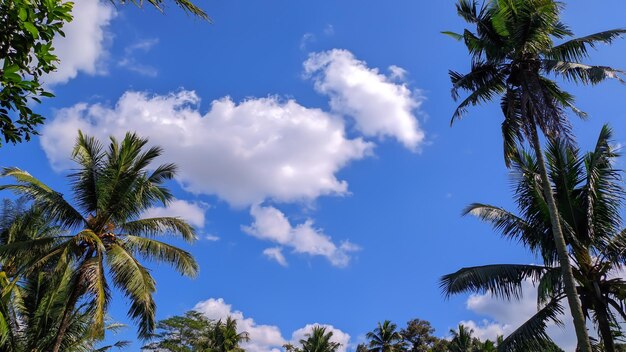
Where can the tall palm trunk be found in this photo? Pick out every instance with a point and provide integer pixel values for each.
(604, 324)
(65, 320)
(582, 335)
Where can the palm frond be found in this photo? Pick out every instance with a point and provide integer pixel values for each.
(88, 154)
(500, 280)
(49, 201)
(137, 284)
(161, 252)
(153, 227)
(581, 73)
(532, 336)
(578, 48)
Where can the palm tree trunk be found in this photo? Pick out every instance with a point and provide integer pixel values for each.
(604, 325)
(582, 335)
(605, 331)
(65, 320)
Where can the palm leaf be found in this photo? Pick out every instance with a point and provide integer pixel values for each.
(162, 252)
(137, 284)
(49, 201)
(577, 49)
(500, 280)
(532, 336)
(581, 73)
(153, 227)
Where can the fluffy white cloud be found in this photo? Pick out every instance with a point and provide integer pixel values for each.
(244, 153)
(263, 338)
(506, 316)
(191, 212)
(272, 225)
(83, 47)
(379, 106)
(338, 335)
(276, 253)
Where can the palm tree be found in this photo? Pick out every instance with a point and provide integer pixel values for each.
(111, 188)
(385, 338)
(589, 195)
(29, 310)
(319, 340)
(513, 53)
(462, 340)
(225, 337)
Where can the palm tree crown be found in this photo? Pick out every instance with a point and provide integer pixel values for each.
(111, 189)
(513, 54)
(319, 340)
(385, 338)
(589, 195)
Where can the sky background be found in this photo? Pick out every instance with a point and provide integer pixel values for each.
(316, 156)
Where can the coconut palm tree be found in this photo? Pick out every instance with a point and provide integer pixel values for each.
(30, 310)
(589, 196)
(462, 340)
(319, 340)
(112, 188)
(226, 338)
(386, 338)
(513, 56)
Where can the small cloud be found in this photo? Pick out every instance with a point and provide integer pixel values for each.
(131, 63)
(329, 30)
(272, 225)
(397, 73)
(306, 39)
(211, 238)
(142, 45)
(276, 253)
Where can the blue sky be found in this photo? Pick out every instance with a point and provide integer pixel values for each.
(315, 152)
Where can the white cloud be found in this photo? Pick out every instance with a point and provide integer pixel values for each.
(487, 330)
(329, 30)
(83, 47)
(212, 238)
(193, 213)
(506, 316)
(379, 106)
(244, 153)
(306, 39)
(397, 73)
(130, 62)
(338, 336)
(272, 225)
(263, 338)
(276, 253)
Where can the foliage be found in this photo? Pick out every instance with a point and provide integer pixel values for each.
(513, 58)
(513, 54)
(105, 231)
(385, 338)
(26, 55)
(195, 332)
(318, 340)
(30, 309)
(589, 193)
(418, 335)
(27, 35)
